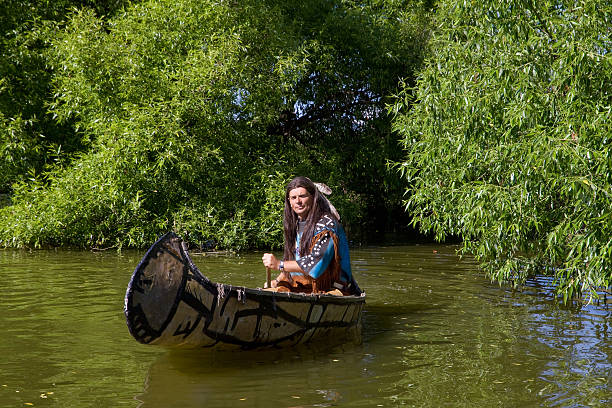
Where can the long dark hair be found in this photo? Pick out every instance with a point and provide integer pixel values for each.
(319, 208)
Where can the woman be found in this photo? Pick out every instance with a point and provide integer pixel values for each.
(316, 257)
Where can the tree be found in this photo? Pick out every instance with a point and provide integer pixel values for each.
(30, 138)
(195, 114)
(508, 144)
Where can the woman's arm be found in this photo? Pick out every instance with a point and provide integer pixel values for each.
(317, 262)
(270, 261)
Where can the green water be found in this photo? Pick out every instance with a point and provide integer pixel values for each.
(436, 334)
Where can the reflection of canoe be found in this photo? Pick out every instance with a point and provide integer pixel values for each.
(170, 303)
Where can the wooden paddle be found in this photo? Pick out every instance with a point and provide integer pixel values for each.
(268, 278)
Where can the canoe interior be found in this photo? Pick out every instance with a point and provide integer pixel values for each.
(170, 303)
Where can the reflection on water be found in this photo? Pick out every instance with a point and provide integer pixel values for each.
(436, 333)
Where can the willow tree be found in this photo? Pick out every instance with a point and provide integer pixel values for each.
(508, 144)
(30, 138)
(195, 113)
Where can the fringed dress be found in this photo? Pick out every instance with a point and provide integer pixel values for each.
(328, 265)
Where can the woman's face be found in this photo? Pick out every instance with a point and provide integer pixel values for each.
(301, 202)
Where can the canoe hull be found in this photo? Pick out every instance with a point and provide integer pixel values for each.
(170, 303)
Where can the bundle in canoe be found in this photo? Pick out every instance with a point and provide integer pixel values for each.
(170, 303)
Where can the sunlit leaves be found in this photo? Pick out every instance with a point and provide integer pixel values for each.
(193, 114)
(508, 145)
(25, 90)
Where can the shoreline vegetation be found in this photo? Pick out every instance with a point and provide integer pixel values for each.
(485, 122)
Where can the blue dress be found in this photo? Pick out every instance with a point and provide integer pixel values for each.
(323, 250)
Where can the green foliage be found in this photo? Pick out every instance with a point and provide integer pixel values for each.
(17, 148)
(30, 138)
(192, 115)
(508, 144)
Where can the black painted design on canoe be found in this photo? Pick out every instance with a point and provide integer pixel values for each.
(170, 303)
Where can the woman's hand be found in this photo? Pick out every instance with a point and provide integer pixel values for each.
(270, 261)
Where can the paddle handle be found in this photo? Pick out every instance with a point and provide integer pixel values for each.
(268, 278)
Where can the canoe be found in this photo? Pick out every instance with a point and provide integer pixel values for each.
(170, 303)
